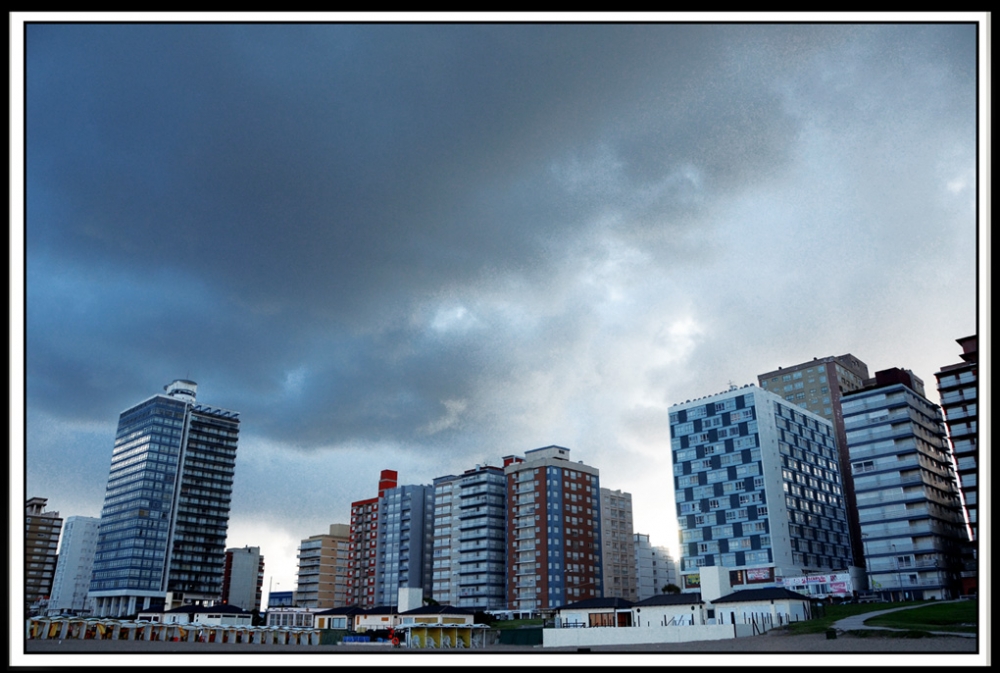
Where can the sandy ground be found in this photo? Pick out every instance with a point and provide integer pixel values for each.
(773, 643)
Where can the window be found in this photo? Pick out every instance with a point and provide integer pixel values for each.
(696, 412)
(864, 466)
(682, 429)
(711, 422)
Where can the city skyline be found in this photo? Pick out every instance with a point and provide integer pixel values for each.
(423, 247)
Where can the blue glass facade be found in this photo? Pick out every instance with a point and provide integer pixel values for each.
(135, 521)
(757, 486)
(166, 509)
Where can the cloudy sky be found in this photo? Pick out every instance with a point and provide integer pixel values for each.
(423, 247)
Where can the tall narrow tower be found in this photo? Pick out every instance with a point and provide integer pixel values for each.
(553, 530)
(162, 539)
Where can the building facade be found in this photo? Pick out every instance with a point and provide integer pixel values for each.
(911, 520)
(617, 545)
(758, 488)
(166, 510)
(958, 385)
(405, 542)
(819, 386)
(363, 545)
(553, 530)
(470, 524)
(655, 568)
(243, 578)
(41, 548)
(323, 569)
(75, 566)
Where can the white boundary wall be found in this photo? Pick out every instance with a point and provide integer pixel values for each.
(640, 635)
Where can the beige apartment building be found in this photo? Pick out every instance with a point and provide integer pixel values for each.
(617, 552)
(323, 569)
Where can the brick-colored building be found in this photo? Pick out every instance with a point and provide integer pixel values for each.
(553, 530)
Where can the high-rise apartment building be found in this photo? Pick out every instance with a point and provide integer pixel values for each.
(363, 545)
(243, 578)
(655, 568)
(390, 543)
(819, 386)
(75, 566)
(617, 545)
(163, 527)
(323, 569)
(958, 385)
(470, 528)
(405, 542)
(758, 488)
(911, 521)
(41, 544)
(553, 530)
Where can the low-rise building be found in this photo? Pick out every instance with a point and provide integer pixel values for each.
(210, 615)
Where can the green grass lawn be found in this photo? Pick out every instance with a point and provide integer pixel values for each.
(933, 616)
(961, 617)
(504, 624)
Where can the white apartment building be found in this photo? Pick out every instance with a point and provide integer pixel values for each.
(758, 488)
(74, 567)
(655, 567)
(243, 578)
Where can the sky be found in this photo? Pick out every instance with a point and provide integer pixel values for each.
(426, 246)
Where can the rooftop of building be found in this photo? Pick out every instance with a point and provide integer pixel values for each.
(765, 594)
(671, 599)
(346, 610)
(732, 390)
(847, 360)
(439, 610)
(221, 608)
(594, 603)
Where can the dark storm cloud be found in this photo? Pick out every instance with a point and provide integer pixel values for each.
(315, 183)
(282, 212)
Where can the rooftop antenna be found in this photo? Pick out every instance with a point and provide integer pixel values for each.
(732, 386)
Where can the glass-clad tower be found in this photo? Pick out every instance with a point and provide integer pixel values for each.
(166, 509)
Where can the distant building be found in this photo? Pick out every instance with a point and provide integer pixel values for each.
(758, 488)
(323, 569)
(280, 599)
(390, 542)
(405, 542)
(469, 544)
(162, 540)
(958, 386)
(41, 544)
(819, 385)
(617, 546)
(908, 504)
(243, 578)
(363, 545)
(655, 567)
(75, 566)
(553, 530)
